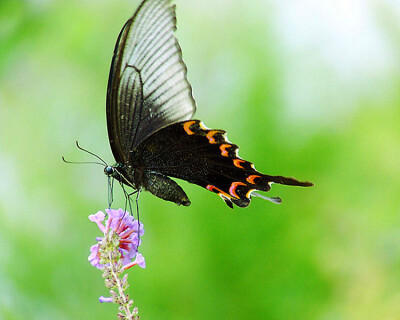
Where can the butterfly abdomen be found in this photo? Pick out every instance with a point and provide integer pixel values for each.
(165, 188)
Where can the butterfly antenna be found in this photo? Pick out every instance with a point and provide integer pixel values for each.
(91, 153)
(73, 162)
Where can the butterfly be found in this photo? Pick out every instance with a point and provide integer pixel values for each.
(149, 120)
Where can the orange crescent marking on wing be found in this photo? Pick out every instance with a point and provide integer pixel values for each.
(203, 126)
(237, 163)
(214, 188)
(249, 193)
(223, 148)
(186, 127)
(210, 137)
(250, 179)
(232, 189)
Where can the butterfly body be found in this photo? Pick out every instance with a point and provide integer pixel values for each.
(138, 177)
(149, 119)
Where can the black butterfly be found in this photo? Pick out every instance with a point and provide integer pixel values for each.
(149, 111)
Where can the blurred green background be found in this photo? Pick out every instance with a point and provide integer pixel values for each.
(307, 89)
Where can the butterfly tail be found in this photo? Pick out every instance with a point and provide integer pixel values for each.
(238, 186)
(264, 184)
(287, 181)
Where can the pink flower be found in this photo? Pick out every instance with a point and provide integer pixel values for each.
(94, 257)
(127, 231)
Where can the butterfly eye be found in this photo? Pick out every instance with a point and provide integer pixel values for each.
(109, 170)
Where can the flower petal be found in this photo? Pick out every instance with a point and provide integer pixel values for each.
(94, 251)
(104, 299)
(138, 261)
(136, 225)
(98, 218)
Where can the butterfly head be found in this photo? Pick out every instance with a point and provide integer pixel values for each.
(109, 170)
(115, 171)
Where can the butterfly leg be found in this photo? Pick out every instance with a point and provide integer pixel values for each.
(110, 191)
(137, 192)
(128, 199)
(138, 217)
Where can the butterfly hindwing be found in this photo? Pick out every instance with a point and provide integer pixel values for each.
(147, 87)
(190, 151)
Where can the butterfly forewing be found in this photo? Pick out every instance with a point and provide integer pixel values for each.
(147, 88)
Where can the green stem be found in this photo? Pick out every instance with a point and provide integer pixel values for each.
(125, 301)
